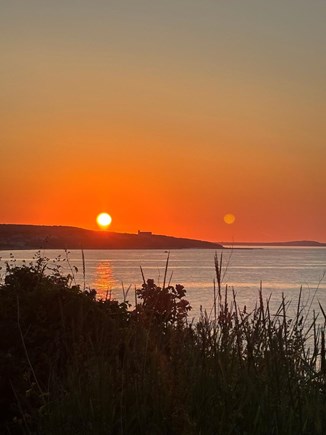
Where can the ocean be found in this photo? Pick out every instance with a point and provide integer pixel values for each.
(278, 270)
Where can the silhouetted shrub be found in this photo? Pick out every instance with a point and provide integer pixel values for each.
(47, 324)
(70, 363)
(162, 306)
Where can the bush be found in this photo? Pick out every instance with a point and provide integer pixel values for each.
(162, 306)
(74, 364)
(46, 325)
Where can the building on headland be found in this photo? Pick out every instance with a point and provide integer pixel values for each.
(145, 233)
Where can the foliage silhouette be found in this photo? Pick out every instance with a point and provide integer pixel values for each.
(71, 363)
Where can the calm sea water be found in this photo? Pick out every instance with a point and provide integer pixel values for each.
(281, 270)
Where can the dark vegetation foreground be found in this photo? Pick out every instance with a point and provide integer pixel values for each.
(72, 364)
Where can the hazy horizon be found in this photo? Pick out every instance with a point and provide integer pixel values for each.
(225, 242)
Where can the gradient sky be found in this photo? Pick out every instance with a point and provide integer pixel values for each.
(166, 114)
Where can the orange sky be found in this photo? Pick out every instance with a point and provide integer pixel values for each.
(167, 115)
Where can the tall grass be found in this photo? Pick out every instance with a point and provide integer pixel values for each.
(75, 364)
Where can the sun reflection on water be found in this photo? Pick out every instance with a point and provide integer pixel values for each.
(104, 279)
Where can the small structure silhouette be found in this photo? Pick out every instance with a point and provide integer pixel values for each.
(145, 233)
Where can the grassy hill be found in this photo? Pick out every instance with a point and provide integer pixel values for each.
(64, 237)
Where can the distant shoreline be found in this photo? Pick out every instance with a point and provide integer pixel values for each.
(290, 244)
(26, 237)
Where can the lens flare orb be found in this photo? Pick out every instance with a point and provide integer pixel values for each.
(229, 218)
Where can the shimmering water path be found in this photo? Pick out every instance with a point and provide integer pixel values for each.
(281, 270)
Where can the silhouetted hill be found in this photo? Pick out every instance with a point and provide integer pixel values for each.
(63, 237)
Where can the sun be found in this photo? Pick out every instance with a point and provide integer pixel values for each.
(229, 218)
(103, 220)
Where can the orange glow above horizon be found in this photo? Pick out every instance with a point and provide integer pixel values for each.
(170, 121)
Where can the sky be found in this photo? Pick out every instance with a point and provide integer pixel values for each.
(166, 114)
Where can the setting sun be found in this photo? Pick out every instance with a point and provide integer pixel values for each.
(103, 220)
